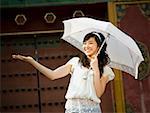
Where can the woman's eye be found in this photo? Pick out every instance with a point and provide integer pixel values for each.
(87, 43)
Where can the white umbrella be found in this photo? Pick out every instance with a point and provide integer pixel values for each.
(121, 48)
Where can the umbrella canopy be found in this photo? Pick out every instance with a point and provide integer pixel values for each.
(123, 52)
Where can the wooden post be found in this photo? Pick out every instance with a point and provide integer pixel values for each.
(118, 83)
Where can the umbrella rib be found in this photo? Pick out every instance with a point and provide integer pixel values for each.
(131, 57)
(106, 39)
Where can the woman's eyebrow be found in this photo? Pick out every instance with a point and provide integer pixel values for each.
(91, 41)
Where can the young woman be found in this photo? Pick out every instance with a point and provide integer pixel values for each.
(89, 75)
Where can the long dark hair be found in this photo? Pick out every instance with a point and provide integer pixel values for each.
(103, 58)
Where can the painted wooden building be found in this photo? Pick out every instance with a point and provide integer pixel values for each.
(35, 27)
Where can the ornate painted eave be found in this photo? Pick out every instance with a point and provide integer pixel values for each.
(37, 3)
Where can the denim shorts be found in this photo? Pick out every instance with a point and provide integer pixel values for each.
(82, 106)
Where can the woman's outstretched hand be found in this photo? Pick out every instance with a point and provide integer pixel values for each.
(23, 58)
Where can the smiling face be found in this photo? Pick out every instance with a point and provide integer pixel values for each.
(90, 47)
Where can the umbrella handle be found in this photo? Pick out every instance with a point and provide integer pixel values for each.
(106, 39)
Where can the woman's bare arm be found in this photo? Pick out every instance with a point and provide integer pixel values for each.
(60, 72)
(99, 82)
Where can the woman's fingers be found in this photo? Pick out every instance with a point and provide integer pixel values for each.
(14, 56)
(94, 62)
(20, 57)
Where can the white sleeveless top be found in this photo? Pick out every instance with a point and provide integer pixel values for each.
(81, 88)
